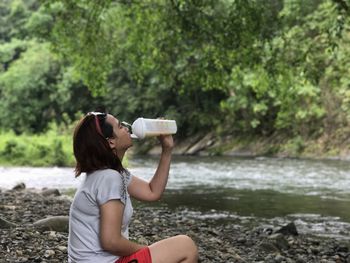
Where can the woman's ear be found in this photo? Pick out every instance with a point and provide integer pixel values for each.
(111, 143)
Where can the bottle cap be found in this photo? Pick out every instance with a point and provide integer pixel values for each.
(138, 128)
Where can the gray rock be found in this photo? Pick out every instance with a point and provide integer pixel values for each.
(279, 258)
(289, 229)
(53, 223)
(49, 253)
(4, 224)
(279, 241)
(268, 246)
(48, 192)
(19, 187)
(300, 259)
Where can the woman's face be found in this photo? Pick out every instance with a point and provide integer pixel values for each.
(122, 141)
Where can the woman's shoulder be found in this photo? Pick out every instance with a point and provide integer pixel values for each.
(105, 172)
(110, 174)
(109, 171)
(103, 175)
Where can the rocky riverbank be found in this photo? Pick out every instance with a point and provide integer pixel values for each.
(25, 237)
(209, 144)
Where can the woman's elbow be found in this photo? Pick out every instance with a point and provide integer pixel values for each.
(109, 244)
(106, 244)
(155, 197)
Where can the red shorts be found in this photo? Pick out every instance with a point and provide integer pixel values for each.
(141, 256)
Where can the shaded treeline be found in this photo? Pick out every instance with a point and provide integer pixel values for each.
(229, 66)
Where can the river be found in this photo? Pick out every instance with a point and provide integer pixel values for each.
(315, 194)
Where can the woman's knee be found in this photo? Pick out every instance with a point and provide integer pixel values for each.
(179, 248)
(190, 245)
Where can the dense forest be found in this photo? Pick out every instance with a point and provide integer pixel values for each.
(243, 68)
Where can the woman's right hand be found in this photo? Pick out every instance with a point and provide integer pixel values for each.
(166, 142)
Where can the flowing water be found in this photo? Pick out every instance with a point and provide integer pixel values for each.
(313, 194)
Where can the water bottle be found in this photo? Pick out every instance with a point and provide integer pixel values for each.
(143, 127)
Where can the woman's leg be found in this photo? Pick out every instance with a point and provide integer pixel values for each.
(177, 249)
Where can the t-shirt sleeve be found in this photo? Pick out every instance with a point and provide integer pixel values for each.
(128, 177)
(112, 186)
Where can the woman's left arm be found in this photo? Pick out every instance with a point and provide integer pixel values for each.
(153, 190)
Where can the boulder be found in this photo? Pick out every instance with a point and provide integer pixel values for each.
(50, 191)
(53, 223)
(19, 186)
(289, 229)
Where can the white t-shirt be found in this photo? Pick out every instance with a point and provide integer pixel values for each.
(84, 216)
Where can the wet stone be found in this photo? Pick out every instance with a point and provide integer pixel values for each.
(20, 186)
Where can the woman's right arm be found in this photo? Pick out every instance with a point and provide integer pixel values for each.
(110, 230)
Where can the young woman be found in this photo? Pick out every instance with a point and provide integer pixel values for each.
(101, 210)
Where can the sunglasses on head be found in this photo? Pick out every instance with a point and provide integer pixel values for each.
(97, 113)
(99, 117)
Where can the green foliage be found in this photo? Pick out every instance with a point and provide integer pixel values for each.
(294, 147)
(13, 150)
(93, 61)
(286, 91)
(59, 157)
(39, 23)
(234, 67)
(50, 149)
(11, 51)
(36, 88)
(213, 62)
(164, 56)
(26, 78)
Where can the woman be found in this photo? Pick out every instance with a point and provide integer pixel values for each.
(101, 210)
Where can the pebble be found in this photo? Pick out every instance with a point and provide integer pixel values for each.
(49, 253)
